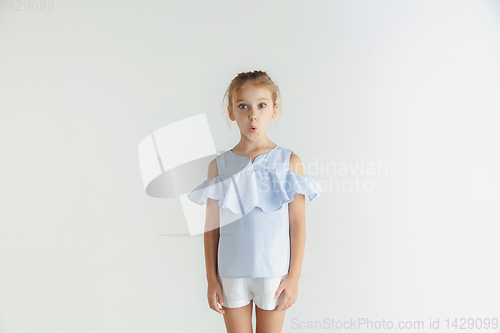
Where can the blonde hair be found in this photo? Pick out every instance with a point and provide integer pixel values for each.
(243, 80)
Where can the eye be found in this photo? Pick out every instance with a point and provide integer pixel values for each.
(241, 105)
(263, 104)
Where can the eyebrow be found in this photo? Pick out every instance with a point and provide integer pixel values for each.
(242, 100)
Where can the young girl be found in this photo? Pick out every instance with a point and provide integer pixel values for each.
(255, 218)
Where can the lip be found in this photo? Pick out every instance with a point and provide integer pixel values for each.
(253, 129)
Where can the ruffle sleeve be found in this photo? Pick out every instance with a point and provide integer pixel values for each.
(268, 189)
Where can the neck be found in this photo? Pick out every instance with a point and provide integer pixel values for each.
(254, 145)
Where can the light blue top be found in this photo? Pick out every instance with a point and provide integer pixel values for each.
(253, 208)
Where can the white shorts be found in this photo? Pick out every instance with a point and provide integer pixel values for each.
(238, 292)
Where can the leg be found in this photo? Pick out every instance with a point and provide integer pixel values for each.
(269, 321)
(239, 320)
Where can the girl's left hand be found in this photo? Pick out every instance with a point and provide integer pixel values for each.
(290, 286)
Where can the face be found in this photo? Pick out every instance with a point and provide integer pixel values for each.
(253, 110)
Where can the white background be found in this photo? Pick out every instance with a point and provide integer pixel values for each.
(410, 85)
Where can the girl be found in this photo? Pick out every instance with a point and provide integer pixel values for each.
(255, 218)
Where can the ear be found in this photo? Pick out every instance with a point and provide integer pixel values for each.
(275, 112)
(230, 113)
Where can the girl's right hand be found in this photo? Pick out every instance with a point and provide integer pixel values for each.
(214, 295)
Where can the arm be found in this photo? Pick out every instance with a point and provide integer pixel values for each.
(211, 235)
(296, 211)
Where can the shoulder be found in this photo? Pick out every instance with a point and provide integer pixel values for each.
(296, 164)
(212, 169)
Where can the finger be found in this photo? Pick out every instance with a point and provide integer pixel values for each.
(290, 303)
(284, 303)
(211, 305)
(280, 307)
(220, 298)
(278, 292)
(215, 307)
(221, 302)
(221, 309)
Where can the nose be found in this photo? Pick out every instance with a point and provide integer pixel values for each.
(253, 115)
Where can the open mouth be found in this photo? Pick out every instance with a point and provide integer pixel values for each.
(253, 128)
